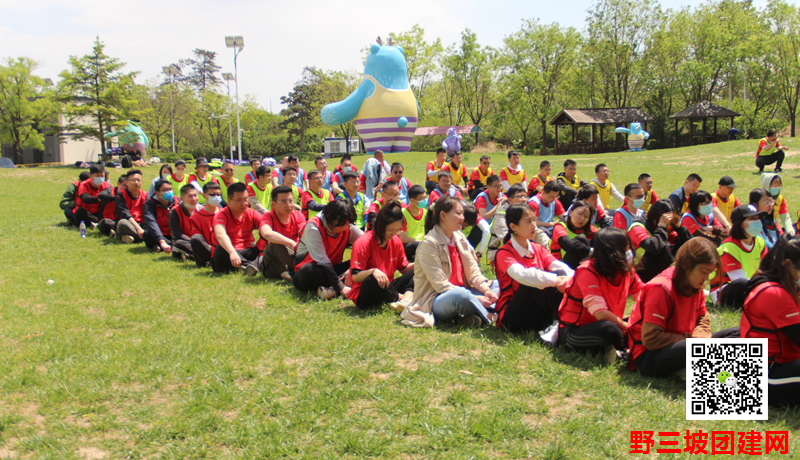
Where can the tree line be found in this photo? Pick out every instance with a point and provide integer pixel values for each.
(629, 54)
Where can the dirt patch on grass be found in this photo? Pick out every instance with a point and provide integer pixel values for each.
(407, 364)
(31, 412)
(7, 453)
(91, 453)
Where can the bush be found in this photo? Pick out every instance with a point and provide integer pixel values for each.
(187, 157)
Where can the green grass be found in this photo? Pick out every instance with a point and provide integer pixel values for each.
(135, 355)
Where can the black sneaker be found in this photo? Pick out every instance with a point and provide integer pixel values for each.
(777, 170)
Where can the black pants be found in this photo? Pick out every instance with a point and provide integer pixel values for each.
(372, 295)
(311, 276)
(593, 338)
(275, 260)
(151, 241)
(106, 225)
(733, 293)
(781, 391)
(778, 156)
(567, 197)
(124, 227)
(430, 185)
(474, 237)
(222, 260)
(411, 250)
(70, 217)
(672, 358)
(531, 309)
(202, 251)
(575, 257)
(183, 245)
(82, 215)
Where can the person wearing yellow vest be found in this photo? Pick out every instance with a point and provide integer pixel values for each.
(290, 179)
(569, 183)
(772, 184)
(459, 172)
(605, 189)
(259, 192)
(770, 151)
(227, 179)
(351, 194)
(477, 179)
(413, 229)
(650, 196)
(724, 202)
(313, 200)
(200, 178)
(433, 168)
(741, 255)
(680, 197)
(179, 178)
(513, 173)
(537, 182)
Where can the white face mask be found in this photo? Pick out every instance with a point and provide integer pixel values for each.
(629, 256)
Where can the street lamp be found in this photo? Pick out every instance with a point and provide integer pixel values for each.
(228, 77)
(237, 43)
(171, 71)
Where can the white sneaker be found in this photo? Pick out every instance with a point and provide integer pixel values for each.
(112, 234)
(127, 239)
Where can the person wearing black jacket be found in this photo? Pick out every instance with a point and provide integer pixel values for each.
(157, 235)
(87, 205)
(656, 241)
(130, 209)
(67, 203)
(180, 222)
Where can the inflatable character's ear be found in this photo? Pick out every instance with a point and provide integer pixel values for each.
(401, 50)
(379, 41)
(374, 48)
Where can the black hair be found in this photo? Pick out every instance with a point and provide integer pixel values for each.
(512, 153)
(317, 159)
(186, 189)
(346, 156)
(515, 189)
(95, 168)
(443, 204)
(415, 191)
(643, 176)
(658, 209)
(773, 265)
(398, 165)
(757, 194)
(543, 164)
(227, 162)
(208, 186)
(122, 178)
(161, 183)
(737, 230)
(262, 170)
(600, 166)
(84, 175)
(492, 179)
(770, 132)
(252, 160)
(694, 177)
(313, 172)
(470, 213)
(550, 186)
(279, 190)
(161, 169)
(587, 227)
(236, 187)
(440, 150)
(338, 213)
(287, 169)
(292, 158)
(131, 172)
(695, 199)
(586, 192)
(443, 174)
(388, 184)
(350, 175)
(180, 162)
(570, 163)
(390, 213)
(610, 245)
(484, 157)
(631, 187)
(514, 214)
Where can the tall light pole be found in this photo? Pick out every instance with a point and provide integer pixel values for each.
(228, 77)
(237, 43)
(171, 71)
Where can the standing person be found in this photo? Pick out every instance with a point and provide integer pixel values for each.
(772, 184)
(345, 165)
(631, 210)
(434, 168)
(772, 311)
(770, 151)
(699, 219)
(656, 241)
(680, 197)
(356, 198)
(413, 229)
(532, 281)
(459, 172)
(108, 207)
(318, 261)
(179, 178)
(488, 201)
(536, 184)
(448, 283)
(203, 241)
(327, 177)
(251, 176)
(157, 235)
(299, 181)
(180, 222)
(389, 192)
(280, 231)
(479, 175)
(403, 184)
(571, 242)
(591, 313)
(569, 183)
(741, 255)
(201, 177)
(376, 255)
(259, 191)
(315, 198)
(87, 203)
(376, 170)
(130, 209)
(444, 187)
(650, 196)
(513, 173)
(770, 230)
(547, 208)
(163, 174)
(672, 308)
(67, 203)
(499, 228)
(605, 188)
(233, 229)
(724, 202)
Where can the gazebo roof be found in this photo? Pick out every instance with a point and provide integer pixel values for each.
(600, 116)
(705, 109)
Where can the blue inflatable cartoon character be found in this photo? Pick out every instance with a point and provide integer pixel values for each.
(383, 106)
(636, 136)
(452, 143)
(132, 138)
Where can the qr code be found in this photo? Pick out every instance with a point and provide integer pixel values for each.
(726, 379)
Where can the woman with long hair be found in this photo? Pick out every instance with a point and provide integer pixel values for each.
(656, 241)
(741, 255)
(699, 219)
(163, 173)
(764, 203)
(571, 240)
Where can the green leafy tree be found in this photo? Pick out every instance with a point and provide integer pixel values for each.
(98, 95)
(421, 58)
(785, 25)
(28, 106)
(302, 105)
(469, 67)
(335, 86)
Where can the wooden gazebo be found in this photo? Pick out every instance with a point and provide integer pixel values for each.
(701, 111)
(597, 118)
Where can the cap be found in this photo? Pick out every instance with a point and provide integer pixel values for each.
(745, 211)
(201, 162)
(727, 181)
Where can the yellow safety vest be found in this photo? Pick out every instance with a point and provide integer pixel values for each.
(324, 199)
(264, 196)
(200, 198)
(726, 207)
(604, 192)
(481, 176)
(648, 197)
(458, 174)
(749, 261)
(415, 228)
(176, 185)
(513, 177)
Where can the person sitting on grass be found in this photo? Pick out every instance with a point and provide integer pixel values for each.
(376, 170)
(403, 184)
(591, 313)
(108, 206)
(772, 311)
(699, 219)
(201, 177)
(180, 223)
(459, 172)
(87, 203)
(351, 183)
(631, 210)
(444, 187)
(289, 175)
(280, 231)
(227, 178)
(499, 228)
(179, 178)
(259, 191)
(672, 308)
(130, 210)
(251, 176)
(448, 282)
(489, 201)
(315, 198)
(680, 197)
(157, 236)
(536, 184)
(605, 187)
(327, 177)
(770, 151)
(434, 167)
(319, 264)
(233, 229)
(656, 241)
(389, 191)
(571, 242)
(376, 256)
(770, 231)
(413, 229)
(163, 174)
(724, 202)
(772, 184)
(479, 175)
(650, 196)
(476, 229)
(67, 203)
(345, 165)
(514, 173)
(569, 183)
(589, 194)
(203, 241)
(547, 208)
(299, 180)
(741, 255)
(532, 281)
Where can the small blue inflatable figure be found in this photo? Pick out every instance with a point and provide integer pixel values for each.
(636, 136)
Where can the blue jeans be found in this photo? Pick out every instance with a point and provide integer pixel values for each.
(456, 302)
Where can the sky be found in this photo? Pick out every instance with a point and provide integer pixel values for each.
(281, 37)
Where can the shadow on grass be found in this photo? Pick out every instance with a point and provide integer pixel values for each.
(580, 361)
(669, 386)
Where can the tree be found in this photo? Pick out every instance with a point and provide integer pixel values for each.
(302, 104)
(153, 107)
(785, 22)
(200, 71)
(469, 67)
(336, 86)
(28, 107)
(420, 56)
(97, 93)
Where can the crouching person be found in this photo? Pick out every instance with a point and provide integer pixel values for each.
(203, 240)
(130, 209)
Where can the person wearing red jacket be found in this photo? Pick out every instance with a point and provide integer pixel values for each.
(130, 210)
(108, 206)
(203, 240)
(233, 228)
(87, 204)
(280, 231)
(180, 223)
(157, 235)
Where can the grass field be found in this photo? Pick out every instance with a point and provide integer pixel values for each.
(132, 354)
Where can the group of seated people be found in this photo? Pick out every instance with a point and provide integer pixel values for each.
(565, 261)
